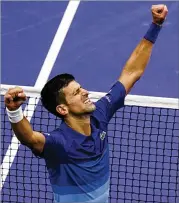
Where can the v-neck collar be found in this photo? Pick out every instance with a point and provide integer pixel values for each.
(71, 133)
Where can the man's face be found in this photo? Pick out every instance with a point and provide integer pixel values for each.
(77, 99)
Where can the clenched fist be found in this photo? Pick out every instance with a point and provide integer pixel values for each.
(159, 13)
(14, 97)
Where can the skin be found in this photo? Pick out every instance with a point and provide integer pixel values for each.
(77, 112)
(78, 108)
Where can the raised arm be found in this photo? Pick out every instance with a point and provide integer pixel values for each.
(133, 69)
(136, 64)
(13, 100)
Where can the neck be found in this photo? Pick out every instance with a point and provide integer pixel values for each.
(80, 124)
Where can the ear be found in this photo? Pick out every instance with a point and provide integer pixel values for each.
(62, 109)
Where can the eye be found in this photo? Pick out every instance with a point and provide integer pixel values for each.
(77, 91)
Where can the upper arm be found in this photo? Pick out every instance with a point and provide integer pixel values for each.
(128, 80)
(49, 147)
(38, 142)
(45, 144)
(110, 103)
(136, 64)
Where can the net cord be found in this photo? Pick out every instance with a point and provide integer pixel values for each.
(131, 100)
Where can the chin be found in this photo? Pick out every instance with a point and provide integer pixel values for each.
(87, 110)
(91, 108)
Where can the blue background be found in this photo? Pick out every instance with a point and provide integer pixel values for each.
(100, 40)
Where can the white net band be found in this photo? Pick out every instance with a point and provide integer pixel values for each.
(131, 100)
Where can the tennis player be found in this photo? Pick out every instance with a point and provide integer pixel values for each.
(76, 153)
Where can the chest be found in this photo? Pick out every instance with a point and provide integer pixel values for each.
(92, 146)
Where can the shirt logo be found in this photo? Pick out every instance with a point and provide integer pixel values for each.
(46, 134)
(107, 97)
(102, 135)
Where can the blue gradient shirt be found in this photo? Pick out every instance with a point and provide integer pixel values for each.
(78, 165)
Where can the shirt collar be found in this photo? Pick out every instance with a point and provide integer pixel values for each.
(68, 131)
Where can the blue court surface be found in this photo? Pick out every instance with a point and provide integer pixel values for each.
(100, 39)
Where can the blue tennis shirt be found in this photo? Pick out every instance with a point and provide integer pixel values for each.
(78, 165)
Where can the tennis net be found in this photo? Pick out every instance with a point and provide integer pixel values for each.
(144, 152)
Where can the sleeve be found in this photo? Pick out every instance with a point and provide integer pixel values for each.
(53, 151)
(110, 103)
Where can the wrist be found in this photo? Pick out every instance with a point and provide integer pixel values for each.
(15, 116)
(157, 23)
(152, 33)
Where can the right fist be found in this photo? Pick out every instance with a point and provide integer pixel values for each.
(14, 97)
(159, 13)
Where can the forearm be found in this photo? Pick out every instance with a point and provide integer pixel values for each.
(23, 131)
(137, 62)
(13, 99)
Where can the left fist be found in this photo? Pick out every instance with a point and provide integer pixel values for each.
(159, 13)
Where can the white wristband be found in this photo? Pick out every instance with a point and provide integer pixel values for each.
(15, 116)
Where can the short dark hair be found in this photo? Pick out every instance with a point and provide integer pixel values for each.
(52, 94)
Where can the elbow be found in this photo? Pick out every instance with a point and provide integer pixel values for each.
(26, 140)
(26, 143)
(23, 142)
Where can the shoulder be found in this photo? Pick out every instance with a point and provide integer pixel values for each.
(54, 147)
(56, 137)
(53, 134)
(115, 95)
(107, 105)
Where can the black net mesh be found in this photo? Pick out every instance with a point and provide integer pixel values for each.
(144, 157)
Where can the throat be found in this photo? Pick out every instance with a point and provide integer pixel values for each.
(82, 126)
(85, 130)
